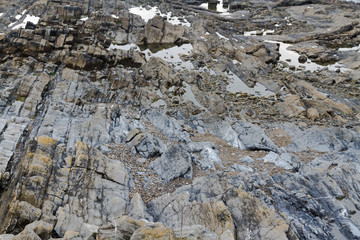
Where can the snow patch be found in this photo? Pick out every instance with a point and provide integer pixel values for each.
(221, 36)
(28, 18)
(148, 13)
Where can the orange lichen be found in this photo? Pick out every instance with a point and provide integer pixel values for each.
(46, 141)
(156, 233)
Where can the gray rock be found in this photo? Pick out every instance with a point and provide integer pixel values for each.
(72, 235)
(67, 221)
(321, 140)
(87, 230)
(141, 160)
(277, 160)
(169, 126)
(209, 158)
(200, 146)
(34, 230)
(224, 131)
(246, 159)
(324, 186)
(261, 222)
(27, 234)
(291, 159)
(241, 168)
(175, 162)
(153, 231)
(180, 209)
(149, 146)
(6, 236)
(137, 208)
(122, 227)
(10, 134)
(196, 232)
(253, 137)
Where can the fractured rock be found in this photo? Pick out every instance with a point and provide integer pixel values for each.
(174, 163)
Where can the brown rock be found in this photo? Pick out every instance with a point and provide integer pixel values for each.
(291, 107)
(312, 113)
(156, 231)
(60, 41)
(157, 30)
(154, 30)
(252, 217)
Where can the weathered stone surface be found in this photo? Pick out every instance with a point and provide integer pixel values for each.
(90, 75)
(195, 232)
(277, 160)
(155, 231)
(225, 131)
(36, 230)
(168, 126)
(205, 214)
(241, 168)
(159, 31)
(322, 140)
(6, 236)
(175, 162)
(260, 222)
(253, 137)
(10, 134)
(137, 208)
(148, 146)
(291, 107)
(209, 158)
(312, 113)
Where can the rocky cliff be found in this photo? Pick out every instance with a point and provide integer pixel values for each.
(179, 119)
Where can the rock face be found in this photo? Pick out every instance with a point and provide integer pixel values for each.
(174, 163)
(179, 120)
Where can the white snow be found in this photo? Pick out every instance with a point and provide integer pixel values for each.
(123, 47)
(84, 18)
(114, 16)
(1, 14)
(150, 12)
(262, 32)
(221, 36)
(28, 18)
(357, 48)
(219, 7)
(268, 32)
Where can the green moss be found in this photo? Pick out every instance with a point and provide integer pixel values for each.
(20, 99)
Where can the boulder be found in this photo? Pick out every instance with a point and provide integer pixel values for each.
(137, 208)
(148, 146)
(157, 30)
(241, 168)
(253, 137)
(209, 158)
(36, 230)
(312, 113)
(122, 227)
(178, 211)
(174, 163)
(277, 160)
(156, 231)
(169, 126)
(253, 219)
(291, 107)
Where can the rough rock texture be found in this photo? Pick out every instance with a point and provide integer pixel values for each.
(188, 120)
(174, 163)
